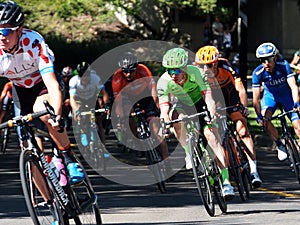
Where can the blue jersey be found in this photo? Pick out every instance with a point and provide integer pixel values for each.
(275, 82)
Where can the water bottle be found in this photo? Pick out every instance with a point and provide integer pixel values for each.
(52, 165)
(60, 169)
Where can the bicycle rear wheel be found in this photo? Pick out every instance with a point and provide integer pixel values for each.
(201, 177)
(235, 166)
(291, 147)
(84, 197)
(217, 188)
(41, 202)
(245, 168)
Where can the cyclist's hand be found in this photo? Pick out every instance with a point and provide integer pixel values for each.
(246, 112)
(55, 123)
(297, 106)
(260, 120)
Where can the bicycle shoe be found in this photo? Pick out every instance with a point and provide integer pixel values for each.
(75, 172)
(255, 180)
(228, 191)
(281, 153)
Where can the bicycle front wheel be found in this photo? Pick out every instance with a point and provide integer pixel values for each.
(85, 199)
(201, 177)
(291, 147)
(155, 166)
(41, 202)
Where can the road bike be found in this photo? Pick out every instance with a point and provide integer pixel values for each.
(153, 156)
(206, 172)
(5, 132)
(235, 153)
(93, 149)
(290, 141)
(48, 202)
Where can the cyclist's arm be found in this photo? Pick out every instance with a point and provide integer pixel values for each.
(54, 92)
(210, 102)
(256, 100)
(242, 91)
(105, 96)
(294, 88)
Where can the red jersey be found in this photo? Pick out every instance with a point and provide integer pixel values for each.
(143, 81)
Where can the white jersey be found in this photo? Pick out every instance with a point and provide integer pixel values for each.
(32, 59)
(85, 92)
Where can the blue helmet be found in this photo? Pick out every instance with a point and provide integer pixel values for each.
(266, 50)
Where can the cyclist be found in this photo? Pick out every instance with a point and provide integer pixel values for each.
(6, 99)
(27, 61)
(67, 73)
(182, 90)
(84, 89)
(236, 63)
(133, 79)
(295, 64)
(279, 88)
(220, 74)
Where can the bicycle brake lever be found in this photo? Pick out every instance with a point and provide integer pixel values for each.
(50, 109)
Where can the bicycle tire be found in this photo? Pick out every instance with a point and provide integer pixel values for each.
(201, 177)
(154, 162)
(83, 194)
(42, 212)
(293, 156)
(217, 188)
(235, 167)
(245, 168)
(4, 139)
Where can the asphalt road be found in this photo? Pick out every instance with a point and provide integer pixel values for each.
(276, 202)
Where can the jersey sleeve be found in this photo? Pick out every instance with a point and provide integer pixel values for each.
(256, 77)
(72, 85)
(162, 89)
(42, 53)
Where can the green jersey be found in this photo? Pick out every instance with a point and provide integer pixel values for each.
(188, 94)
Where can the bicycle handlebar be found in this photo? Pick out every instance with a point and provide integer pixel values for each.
(84, 113)
(238, 105)
(278, 116)
(183, 119)
(18, 120)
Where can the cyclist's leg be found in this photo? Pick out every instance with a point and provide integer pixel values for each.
(268, 107)
(61, 140)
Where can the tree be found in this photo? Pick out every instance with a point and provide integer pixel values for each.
(156, 19)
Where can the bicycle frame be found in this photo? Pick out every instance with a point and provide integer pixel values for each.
(206, 173)
(36, 174)
(290, 143)
(153, 155)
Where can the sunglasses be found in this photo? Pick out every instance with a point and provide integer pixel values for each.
(268, 59)
(128, 70)
(7, 31)
(202, 66)
(174, 71)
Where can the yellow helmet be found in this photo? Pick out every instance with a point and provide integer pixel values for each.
(207, 55)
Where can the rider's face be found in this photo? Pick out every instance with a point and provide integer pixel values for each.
(268, 63)
(9, 36)
(209, 70)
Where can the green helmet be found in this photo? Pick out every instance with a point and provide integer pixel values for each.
(175, 58)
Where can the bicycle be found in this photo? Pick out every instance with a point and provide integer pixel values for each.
(206, 173)
(235, 153)
(90, 141)
(47, 201)
(5, 132)
(153, 156)
(290, 142)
